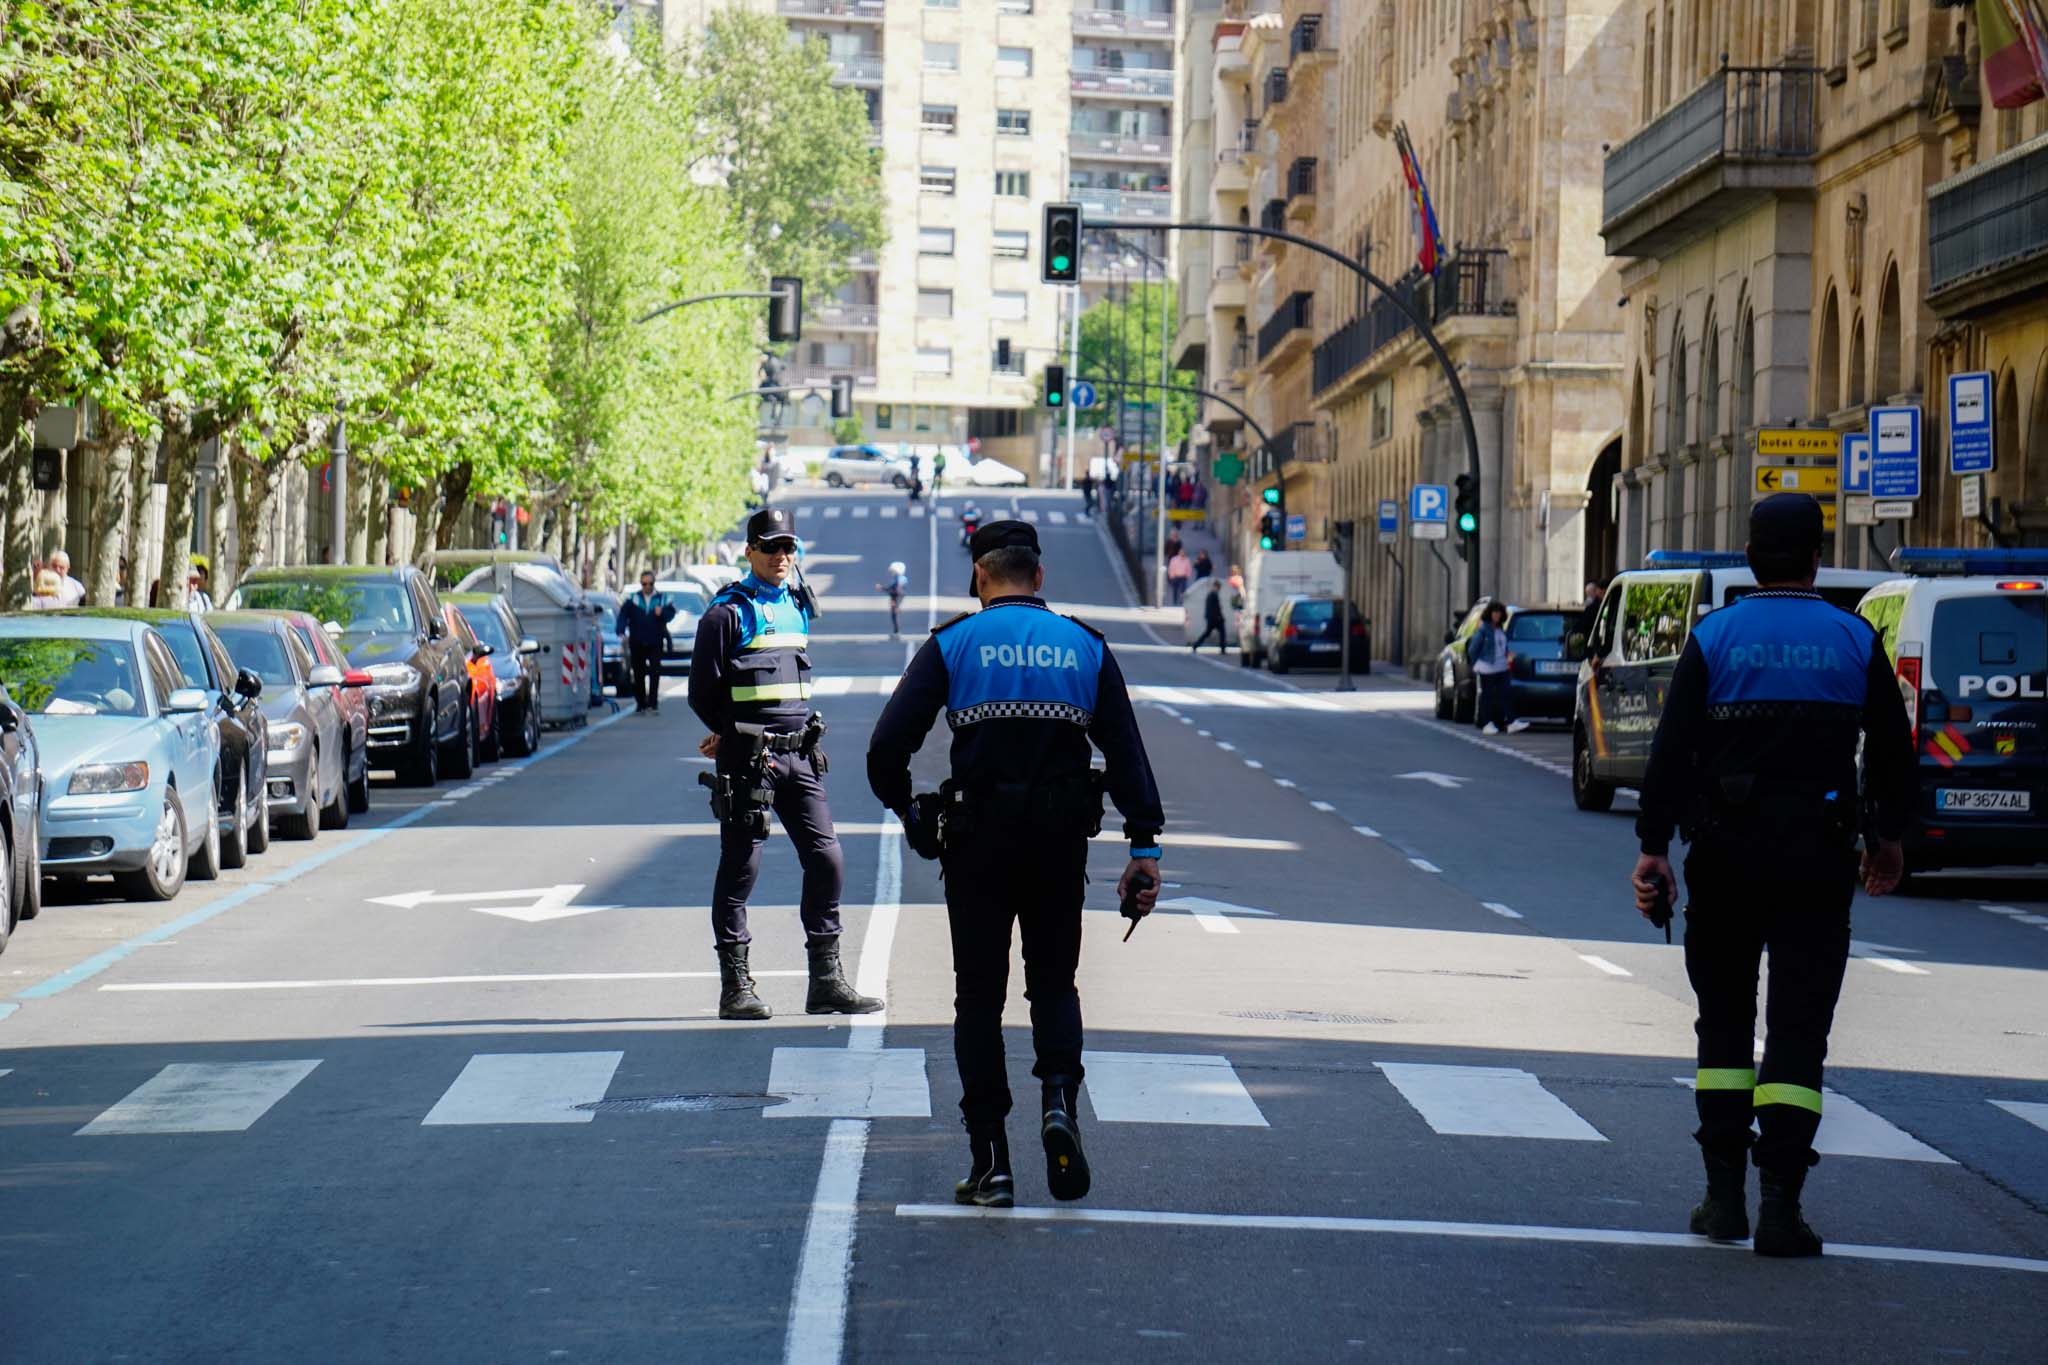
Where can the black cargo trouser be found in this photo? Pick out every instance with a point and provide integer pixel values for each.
(1796, 905)
(646, 665)
(801, 807)
(992, 880)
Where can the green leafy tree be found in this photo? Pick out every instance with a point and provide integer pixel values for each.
(1120, 340)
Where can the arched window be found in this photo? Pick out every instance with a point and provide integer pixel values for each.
(2034, 483)
(1710, 428)
(1635, 447)
(2007, 481)
(1859, 372)
(1827, 372)
(1744, 414)
(1711, 423)
(1891, 372)
(1678, 434)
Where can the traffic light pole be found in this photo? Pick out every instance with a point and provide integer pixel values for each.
(1073, 365)
(1265, 442)
(1422, 327)
(709, 298)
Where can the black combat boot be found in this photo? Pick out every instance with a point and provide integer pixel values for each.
(736, 998)
(830, 992)
(1066, 1166)
(1780, 1231)
(1722, 1215)
(988, 1183)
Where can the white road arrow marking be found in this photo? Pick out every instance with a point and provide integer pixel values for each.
(544, 902)
(1211, 914)
(1877, 954)
(1444, 780)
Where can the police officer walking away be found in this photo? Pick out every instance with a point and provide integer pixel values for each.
(1755, 762)
(1024, 691)
(643, 621)
(750, 683)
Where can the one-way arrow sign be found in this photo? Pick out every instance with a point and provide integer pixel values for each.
(543, 902)
(1444, 780)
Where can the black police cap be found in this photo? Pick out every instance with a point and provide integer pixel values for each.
(771, 523)
(1003, 535)
(1786, 523)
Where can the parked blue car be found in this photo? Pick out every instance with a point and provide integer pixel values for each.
(21, 805)
(128, 752)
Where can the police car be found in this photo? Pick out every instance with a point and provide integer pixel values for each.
(1627, 658)
(1967, 632)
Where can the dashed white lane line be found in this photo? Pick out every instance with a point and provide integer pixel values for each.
(1503, 911)
(1548, 765)
(1604, 965)
(1323, 806)
(1425, 865)
(1204, 734)
(1253, 763)
(1367, 830)
(1226, 746)
(1287, 782)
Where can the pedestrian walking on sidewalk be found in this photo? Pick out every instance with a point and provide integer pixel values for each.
(1204, 566)
(643, 625)
(1026, 692)
(1491, 659)
(1212, 620)
(1179, 573)
(1755, 762)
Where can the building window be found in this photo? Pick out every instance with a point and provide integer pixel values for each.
(1382, 410)
(942, 4)
(1008, 305)
(935, 303)
(885, 416)
(1013, 6)
(993, 423)
(941, 118)
(934, 360)
(942, 56)
(1012, 61)
(1015, 246)
(935, 180)
(924, 418)
(933, 241)
(1014, 184)
(1013, 122)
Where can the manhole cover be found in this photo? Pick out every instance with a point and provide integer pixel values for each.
(1308, 1017)
(678, 1104)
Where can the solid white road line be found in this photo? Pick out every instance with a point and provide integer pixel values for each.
(500, 979)
(201, 1097)
(1848, 1129)
(1425, 865)
(1604, 965)
(1248, 845)
(525, 1087)
(2032, 1112)
(1487, 1101)
(1501, 910)
(849, 1083)
(1415, 1227)
(1212, 921)
(1168, 1087)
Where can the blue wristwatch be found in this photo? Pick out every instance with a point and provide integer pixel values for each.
(1152, 852)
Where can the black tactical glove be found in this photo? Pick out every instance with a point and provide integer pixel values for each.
(921, 825)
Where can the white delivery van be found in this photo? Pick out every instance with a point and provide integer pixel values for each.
(1271, 577)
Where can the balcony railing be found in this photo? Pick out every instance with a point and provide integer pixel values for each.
(839, 313)
(1746, 134)
(1293, 315)
(870, 10)
(1301, 443)
(1145, 82)
(1301, 177)
(1243, 252)
(1097, 203)
(1230, 156)
(1305, 35)
(1142, 24)
(1987, 231)
(1276, 87)
(819, 375)
(1473, 282)
(1273, 217)
(1085, 144)
(1241, 354)
(858, 67)
(1248, 137)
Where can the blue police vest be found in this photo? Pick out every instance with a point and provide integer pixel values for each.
(772, 666)
(1023, 661)
(1768, 647)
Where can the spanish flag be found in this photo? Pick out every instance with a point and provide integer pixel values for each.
(1428, 241)
(2015, 44)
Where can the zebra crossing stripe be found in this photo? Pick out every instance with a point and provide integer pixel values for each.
(201, 1097)
(1168, 1087)
(831, 512)
(2036, 1114)
(1487, 1101)
(889, 513)
(860, 511)
(1059, 518)
(1031, 514)
(917, 509)
(849, 1083)
(1848, 1129)
(525, 1087)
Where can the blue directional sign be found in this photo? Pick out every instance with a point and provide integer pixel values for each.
(1429, 502)
(1969, 423)
(1297, 526)
(1083, 394)
(1390, 515)
(1856, 462)
(1895, 453)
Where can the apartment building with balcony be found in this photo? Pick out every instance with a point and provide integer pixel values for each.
(1194, 167)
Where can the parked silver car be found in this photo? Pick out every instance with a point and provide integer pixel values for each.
(309, 740)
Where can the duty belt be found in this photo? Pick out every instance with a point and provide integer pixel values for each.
(1063, 807)
(743, 795)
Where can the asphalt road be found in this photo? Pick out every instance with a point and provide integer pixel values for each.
(1398, 1076)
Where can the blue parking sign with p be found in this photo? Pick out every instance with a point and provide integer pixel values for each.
(1429, 502)
(1856, 462)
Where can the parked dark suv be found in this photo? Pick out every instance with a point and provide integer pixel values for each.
(391, 627)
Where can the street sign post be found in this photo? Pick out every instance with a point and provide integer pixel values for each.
(1901, 510)
(1297, 526)
(1429, 511)
(1895, 455)
(1778, 478)
(1083, 394)
(1390, 521)
(1971, 502)
(1856, 462)
(1969, 424)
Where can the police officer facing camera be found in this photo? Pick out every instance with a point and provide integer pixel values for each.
(1025, 691)
(750, 683)
(1755, 763)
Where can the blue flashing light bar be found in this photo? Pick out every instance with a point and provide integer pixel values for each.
(1696, 559)
(1936, 562)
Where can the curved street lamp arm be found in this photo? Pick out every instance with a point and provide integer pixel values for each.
(1265, 441)
(707, 298)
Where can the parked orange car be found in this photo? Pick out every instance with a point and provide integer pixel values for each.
(483, 684)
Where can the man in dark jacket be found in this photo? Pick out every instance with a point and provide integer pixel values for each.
(1212, 621)
(643, 625)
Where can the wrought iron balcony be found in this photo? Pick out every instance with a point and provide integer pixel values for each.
(1747, 135)
(1120, 24)
(1987, 232)
(868, 10)
(1305, 37)
(838, 313)
(1096, 203)
(1473, 282)
(1273, 217)
(858, 68)
(1301, 177)
(1292, 316)
(1276, 87)
(1301, 443)
(1095, 146)
(1241, 354)
(1126, 83)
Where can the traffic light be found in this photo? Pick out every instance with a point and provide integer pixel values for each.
(1055, 386)
(785, 308)
(1272, 530)
(1272, 496)
(842, 396)
(1062, 264)
(1002, 353)
(1468, 504)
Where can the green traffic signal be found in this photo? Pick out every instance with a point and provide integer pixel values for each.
(1272, 497)
(1265, 542)
(1061, 264)
(1467, 523)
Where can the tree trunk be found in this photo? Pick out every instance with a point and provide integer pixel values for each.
(454, 497)
(360, 477)
(174, 565)
(137, 555)
(376, 517)
(109, 515)
(17, 516)
(255, 504)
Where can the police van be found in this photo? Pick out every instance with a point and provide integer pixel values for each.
(1627, 657)
(1967, 633)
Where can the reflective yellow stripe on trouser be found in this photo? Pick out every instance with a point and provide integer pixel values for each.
(1726, 1078)
(1798, 1096)
(773, 692)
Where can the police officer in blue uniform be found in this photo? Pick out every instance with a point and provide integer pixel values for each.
(1755, 761)
(750, 683)
(1025, 691)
